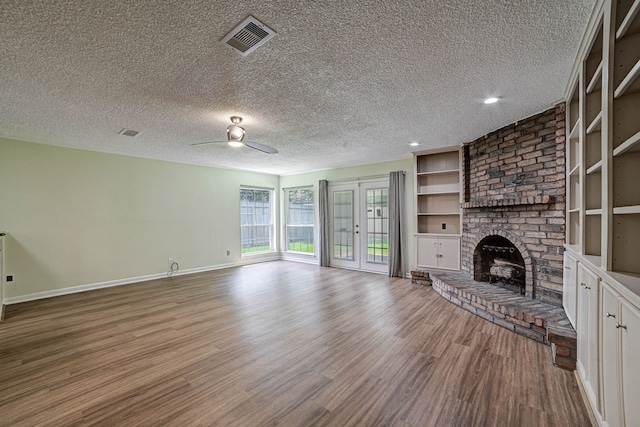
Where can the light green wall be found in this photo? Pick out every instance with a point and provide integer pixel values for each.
(76, 217)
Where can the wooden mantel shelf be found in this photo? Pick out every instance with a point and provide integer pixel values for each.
(496, 203)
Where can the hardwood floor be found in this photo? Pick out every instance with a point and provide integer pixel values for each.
(277, 343)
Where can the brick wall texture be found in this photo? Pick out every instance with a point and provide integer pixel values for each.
(516, 177)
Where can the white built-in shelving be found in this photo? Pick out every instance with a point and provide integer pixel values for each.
(625, 133)
(438, 212)
(603, 208)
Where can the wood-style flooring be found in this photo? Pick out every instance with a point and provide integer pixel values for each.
(278, 343)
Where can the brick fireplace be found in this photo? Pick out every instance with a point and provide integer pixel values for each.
(513, 231)
(514, 196)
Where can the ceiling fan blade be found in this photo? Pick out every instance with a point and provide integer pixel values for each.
(209, 142)
(261, 147)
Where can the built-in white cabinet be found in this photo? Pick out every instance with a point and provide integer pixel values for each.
(570, 287)
(442, 252)
(587, 332)
(608, 343)
(438, 219)
(620, 320)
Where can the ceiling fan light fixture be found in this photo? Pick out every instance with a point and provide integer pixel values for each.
(236, 144)
(491, 100)
(235, 133)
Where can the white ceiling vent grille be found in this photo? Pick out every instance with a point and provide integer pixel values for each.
(248, 36)
(128, 132)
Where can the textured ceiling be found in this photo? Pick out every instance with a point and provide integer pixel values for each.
(342, 83)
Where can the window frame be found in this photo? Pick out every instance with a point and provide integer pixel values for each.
(286, 225)
(270, 226)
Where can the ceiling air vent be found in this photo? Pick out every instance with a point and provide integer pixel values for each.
(248, 36)
(128, 132)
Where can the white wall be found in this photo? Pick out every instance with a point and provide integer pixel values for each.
(77, 218)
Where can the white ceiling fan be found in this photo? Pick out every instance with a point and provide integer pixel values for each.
(235, 138)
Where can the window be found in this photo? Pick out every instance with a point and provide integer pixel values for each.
(256, 220)
(299, 220)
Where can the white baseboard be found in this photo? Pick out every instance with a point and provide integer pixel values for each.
(126, 281)
(305, 259)
(137, 279)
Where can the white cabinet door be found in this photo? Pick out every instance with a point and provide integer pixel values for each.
(610, 402)
(630, 373)
(449, 253)
(570, 287)
(438, 252)
(587, 331)
(426, 251)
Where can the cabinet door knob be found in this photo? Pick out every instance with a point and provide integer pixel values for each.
(611, 315)
(618, 326)
(587, 287)
(583, 284)
(566, 267)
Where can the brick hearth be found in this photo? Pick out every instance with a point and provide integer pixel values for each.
(533, 319)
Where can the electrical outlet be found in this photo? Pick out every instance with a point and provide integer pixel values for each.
(228, 253)
(9, 278)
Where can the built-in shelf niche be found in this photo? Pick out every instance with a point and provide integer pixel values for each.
(593, 111)
(593, 191)
(626, 229)
(593, 62)
(439, 224)
(593, 234)
(439, 163)
(446, 203)
(574, 112)
(592, 149)
(574, 228)
(574, 155)
(574, 194)
(626, 180)
(438, 182)
(625, 19)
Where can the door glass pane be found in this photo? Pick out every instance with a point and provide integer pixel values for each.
(343, 225)
(377, 225)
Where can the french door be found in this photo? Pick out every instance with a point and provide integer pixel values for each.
(359, 225)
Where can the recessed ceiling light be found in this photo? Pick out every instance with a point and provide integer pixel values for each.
(414, 144)
(491, 100)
